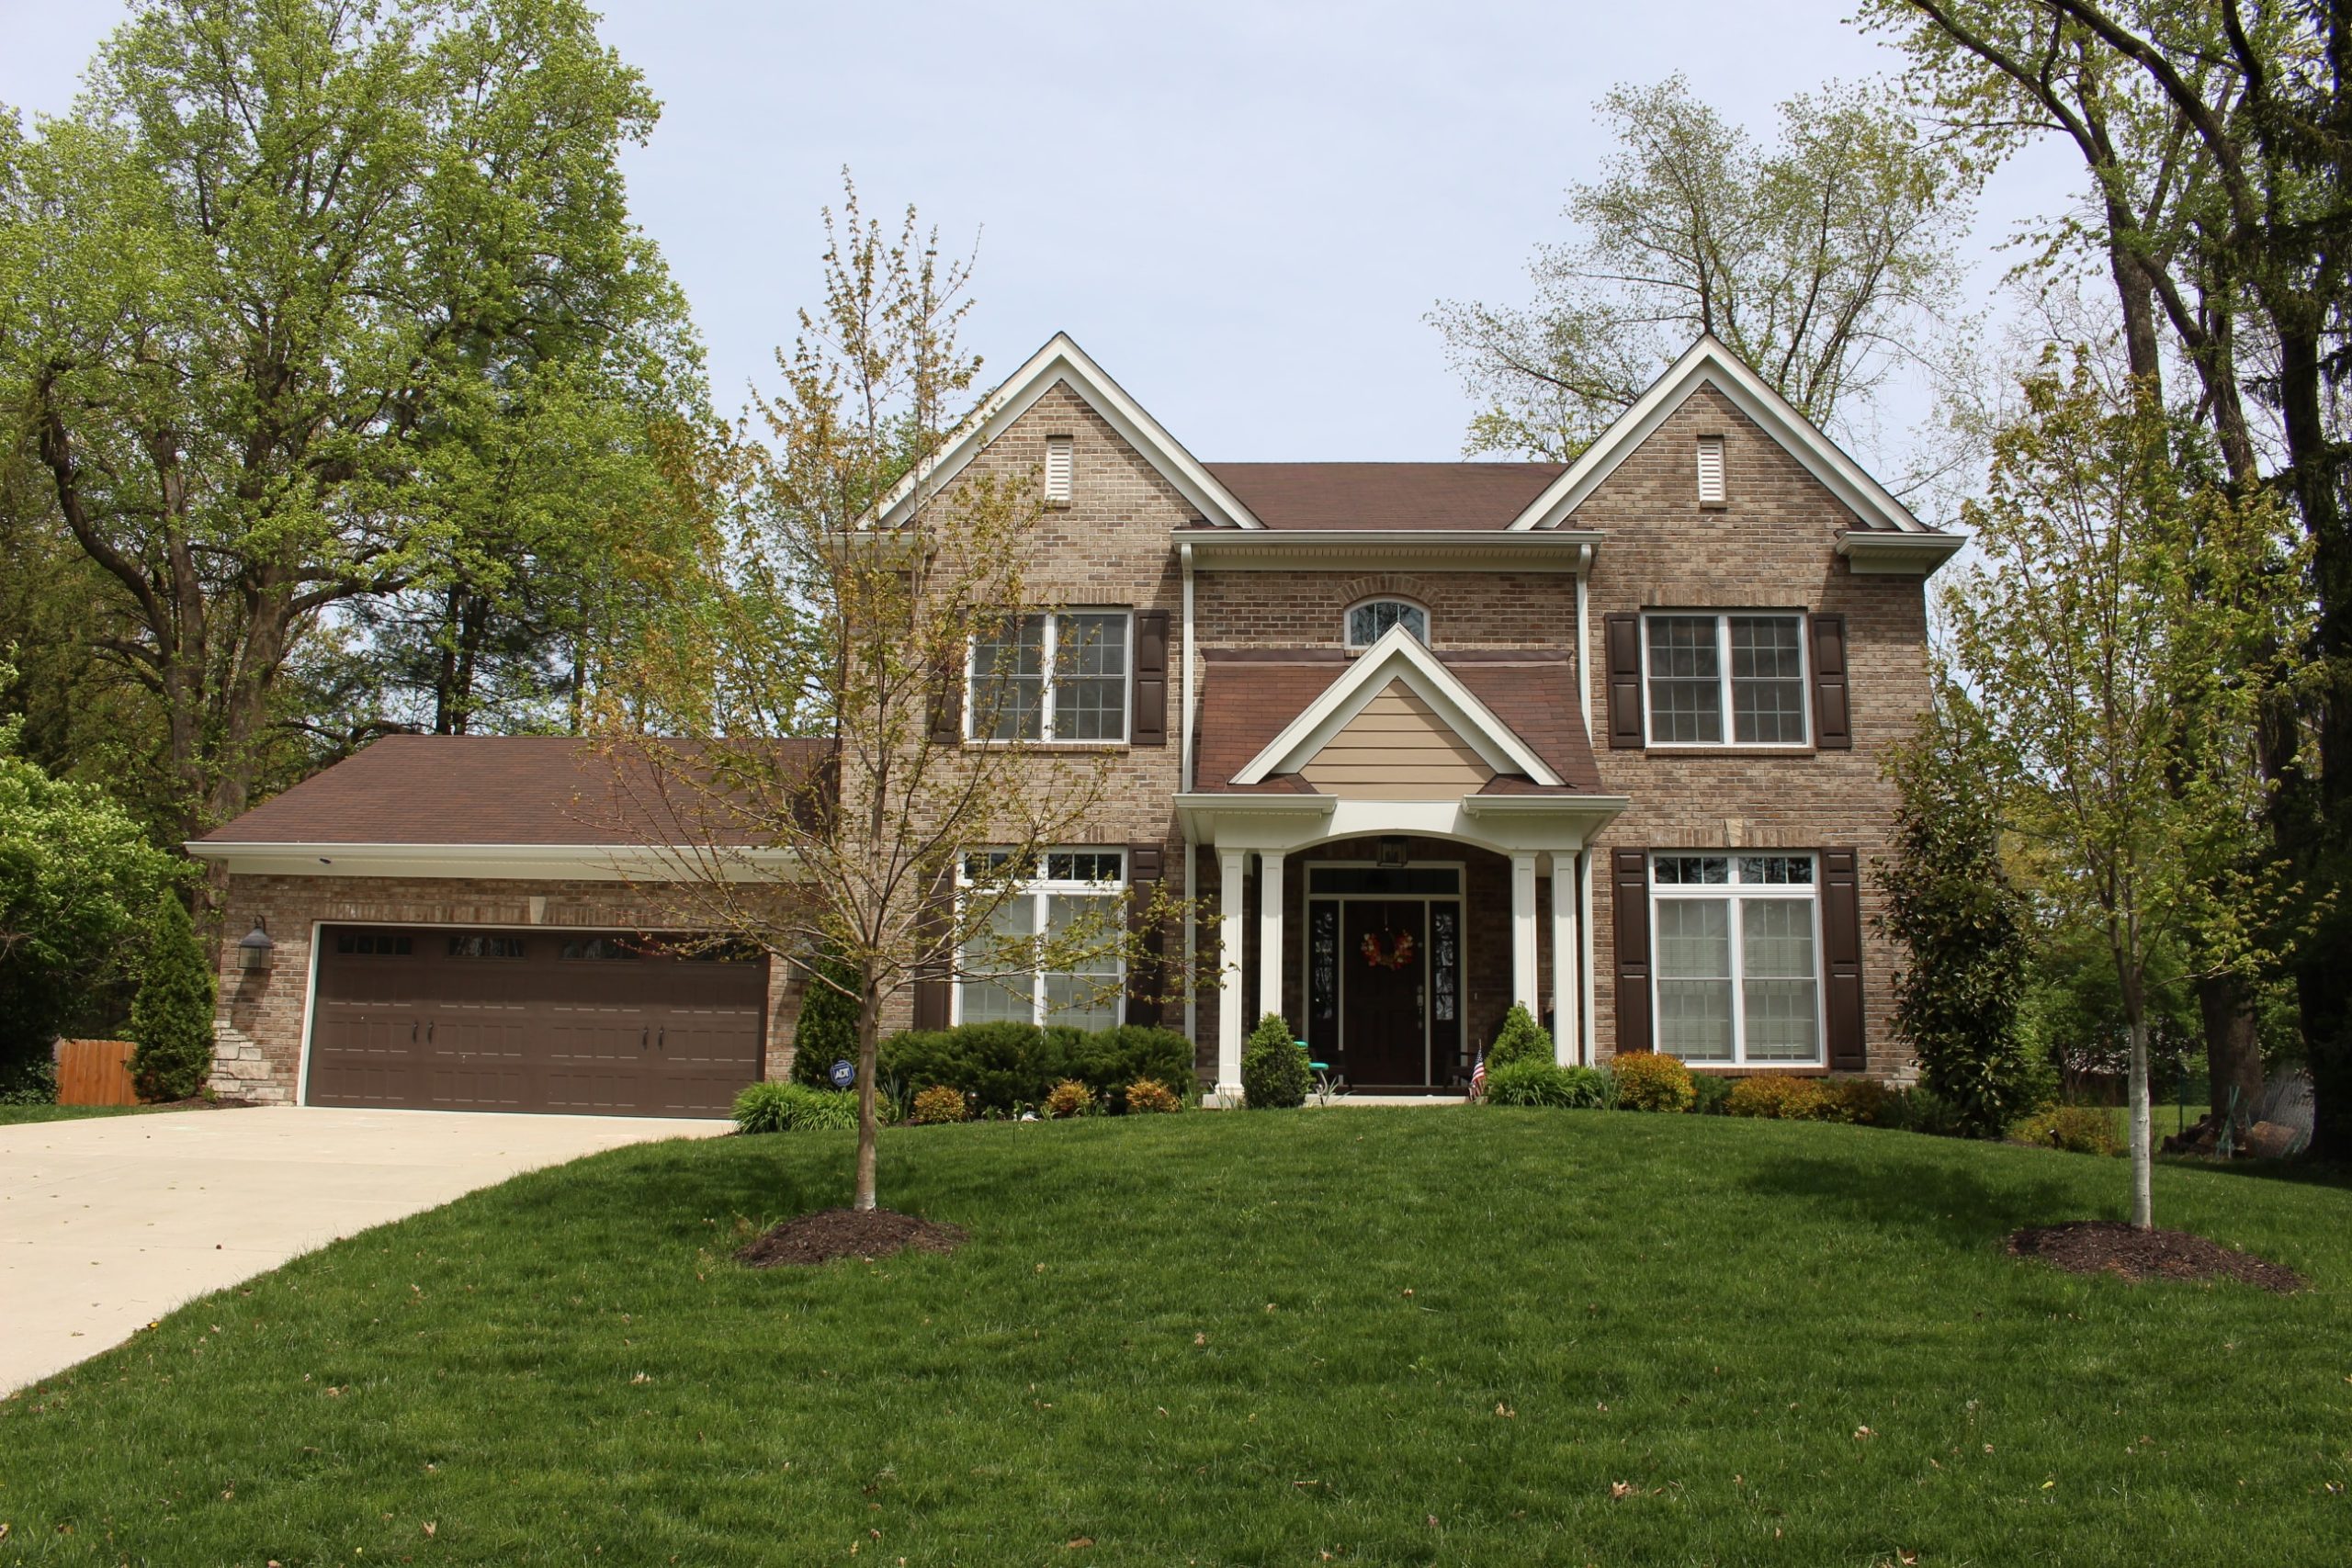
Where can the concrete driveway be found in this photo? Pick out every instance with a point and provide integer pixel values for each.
(107, 1223)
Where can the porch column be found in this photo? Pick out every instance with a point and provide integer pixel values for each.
(1269, 933)
(1522, 932)
(1568, 1041)
(1231, 866)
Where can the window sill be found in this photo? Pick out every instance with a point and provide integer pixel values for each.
(1058, 746)
(1757, 1069)
(1808, 750)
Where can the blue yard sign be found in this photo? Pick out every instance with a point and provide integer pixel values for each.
(845, 1075)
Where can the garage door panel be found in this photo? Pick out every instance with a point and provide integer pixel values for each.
(434, 1019)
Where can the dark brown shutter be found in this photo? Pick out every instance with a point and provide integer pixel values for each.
(947, 708)
(1833, 724)
(1630, 897)
(1841, 937)
(933, 983)
(1621, 636)
(1148, 973)
(1151, 677)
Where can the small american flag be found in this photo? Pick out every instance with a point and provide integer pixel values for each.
(1478, 1078)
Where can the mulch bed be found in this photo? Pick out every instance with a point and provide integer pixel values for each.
(2110, 1247)
(865, 1233)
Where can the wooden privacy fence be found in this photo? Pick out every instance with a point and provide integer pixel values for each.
(94, 1071)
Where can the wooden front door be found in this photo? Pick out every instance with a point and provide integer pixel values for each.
(1384, 1029)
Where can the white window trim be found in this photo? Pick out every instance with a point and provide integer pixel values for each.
(1734, 893)
(1053, 619)
(1040, 890)
(1723, 619)
(1348, 616)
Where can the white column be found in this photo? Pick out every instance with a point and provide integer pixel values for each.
(1566, 1038)
(1522, 932)
(1231, 865)
(1269, 933)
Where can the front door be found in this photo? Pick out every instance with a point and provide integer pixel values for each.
(1384, 990)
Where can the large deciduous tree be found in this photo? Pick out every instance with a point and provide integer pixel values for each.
(2107, 634)
(272, 297)
(1819, 260)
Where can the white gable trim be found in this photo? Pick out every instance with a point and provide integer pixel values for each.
(1062, 363)
(1707, 362)
(1397, 657)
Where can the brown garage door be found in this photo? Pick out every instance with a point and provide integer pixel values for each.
(577, 1021)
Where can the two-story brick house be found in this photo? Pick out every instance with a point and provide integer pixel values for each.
(1428, 738)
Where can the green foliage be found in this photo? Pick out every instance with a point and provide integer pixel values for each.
(1521, 1039)
(1778, 1097)
(770, 1106)
(1710, 1094)
(1916, 1110)
(1964, 928)
(171, 1018)
(1651, 1080)
(1274, 1066)
(78, 881)
(826, 1031)
(1001, 1068)
(937, 1105)
(1532, 1081)
(2079, 1129)
(1858, 1102)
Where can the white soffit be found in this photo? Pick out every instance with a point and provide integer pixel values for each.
(1707, 362)
(1399, 656)
(1061, 362)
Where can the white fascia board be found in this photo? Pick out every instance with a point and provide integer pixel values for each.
(1708, 362)
(1397, 655)
(555, 863)
(1555, 824)
(1061, 360)
(1561, 550)
(1898, 555)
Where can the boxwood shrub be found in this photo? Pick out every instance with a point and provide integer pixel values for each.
(1003, 1069)
(1273, 1067)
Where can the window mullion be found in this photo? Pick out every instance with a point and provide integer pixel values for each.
(1046, 678)
(1737, 925)
(1722, 679)
(1038, 912)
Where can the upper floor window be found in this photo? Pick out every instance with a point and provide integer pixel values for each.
(1050, 676)
(1371, 621)
(1715, 680)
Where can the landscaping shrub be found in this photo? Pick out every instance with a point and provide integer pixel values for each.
(826, 1031)
(1858, 1102)
(775, 1107)
(1521, 1039)
(939, 1104)
(171, 1018)
(1149, 1096)
(2079, 1129)
(1917, 1109)
(1543, 1083)
(1002, 1068)
(1070, 1098)
(1651, 1080)
(1711, 1094)
(1776, 1097)
(1273, 1067)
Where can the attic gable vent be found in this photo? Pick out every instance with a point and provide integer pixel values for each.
(1711, 470)
(1058, 470)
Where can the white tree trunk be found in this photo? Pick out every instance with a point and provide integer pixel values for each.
(2143, 1160)
(869, 1125)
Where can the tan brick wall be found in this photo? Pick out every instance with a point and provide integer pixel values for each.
(258, 1026)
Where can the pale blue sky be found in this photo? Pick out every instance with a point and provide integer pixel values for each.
(1242, 210)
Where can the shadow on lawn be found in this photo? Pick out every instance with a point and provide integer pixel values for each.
(1912, 1192)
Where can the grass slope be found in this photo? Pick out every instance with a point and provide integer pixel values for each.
(1393, 1336)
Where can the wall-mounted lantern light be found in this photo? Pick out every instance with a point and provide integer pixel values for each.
(1391, 854)
(254, 948)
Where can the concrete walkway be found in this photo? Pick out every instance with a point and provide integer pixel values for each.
(107, 1223)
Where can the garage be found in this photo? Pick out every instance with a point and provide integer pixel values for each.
(577, 1021)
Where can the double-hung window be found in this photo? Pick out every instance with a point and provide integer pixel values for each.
(1049, 677)
(1738, 954)
(1076, 899)
(1725, 679)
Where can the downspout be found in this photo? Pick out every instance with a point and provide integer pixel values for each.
(1584, 643)
(1584, 1029)
(1192, 855)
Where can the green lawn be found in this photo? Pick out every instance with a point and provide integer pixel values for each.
(1393, 1337)
(12, 1114)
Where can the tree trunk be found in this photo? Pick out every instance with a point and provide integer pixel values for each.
(869, 1021)
(2142, 1163)
(2233, 1050)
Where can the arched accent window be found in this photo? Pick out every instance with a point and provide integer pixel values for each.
(1369, 621)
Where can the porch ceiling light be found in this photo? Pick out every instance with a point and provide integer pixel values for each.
(254, 948)
(1391, 854)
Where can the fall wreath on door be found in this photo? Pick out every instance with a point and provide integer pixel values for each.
(1388, 949)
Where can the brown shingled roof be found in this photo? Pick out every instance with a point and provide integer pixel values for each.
(1387, 495)
(463, 789)
(1247, 697)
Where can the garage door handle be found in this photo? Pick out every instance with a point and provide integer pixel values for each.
(428, 1034)
(412, 1033)
(663, 1043)
(642, 1036)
